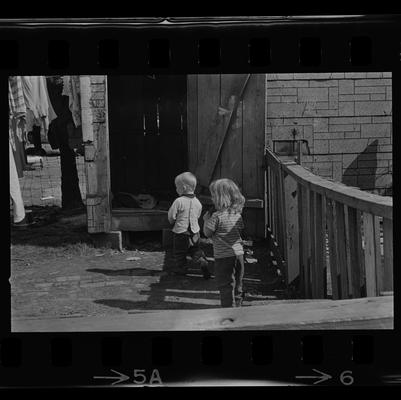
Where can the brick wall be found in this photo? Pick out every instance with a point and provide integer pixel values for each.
(346, 118)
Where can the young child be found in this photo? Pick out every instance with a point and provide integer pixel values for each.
(184, 214)
(224, 227)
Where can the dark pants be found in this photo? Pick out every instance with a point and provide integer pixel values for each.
(187, 244)
(229, 273)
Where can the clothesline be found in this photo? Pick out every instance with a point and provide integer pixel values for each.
(30, 106)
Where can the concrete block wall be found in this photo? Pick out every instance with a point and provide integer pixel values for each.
(346, 118)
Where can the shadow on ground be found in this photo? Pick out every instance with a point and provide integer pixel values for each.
(53, 227)
(191, 291)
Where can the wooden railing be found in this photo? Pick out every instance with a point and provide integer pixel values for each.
(336, 240)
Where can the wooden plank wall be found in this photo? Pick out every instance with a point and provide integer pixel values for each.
(242, 155)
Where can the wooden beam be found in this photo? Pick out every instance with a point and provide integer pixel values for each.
(140, 221)
(350, 196)
(366, 313)
(249, 203)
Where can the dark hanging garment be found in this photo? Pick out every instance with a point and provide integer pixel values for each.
(20, 157)
(59, 133)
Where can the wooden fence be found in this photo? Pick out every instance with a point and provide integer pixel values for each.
(335, 240)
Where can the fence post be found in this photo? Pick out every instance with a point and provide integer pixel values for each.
(370, 254)
(388, 254)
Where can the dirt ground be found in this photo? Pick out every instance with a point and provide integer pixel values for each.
(56, 271)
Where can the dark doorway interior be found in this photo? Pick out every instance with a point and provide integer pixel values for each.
(148, 133)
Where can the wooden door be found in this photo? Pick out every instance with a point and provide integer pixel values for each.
(210, 99)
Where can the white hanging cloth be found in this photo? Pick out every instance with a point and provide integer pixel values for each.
(40, 111)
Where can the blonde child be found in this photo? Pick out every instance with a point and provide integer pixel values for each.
(184, 214)
(224, 228)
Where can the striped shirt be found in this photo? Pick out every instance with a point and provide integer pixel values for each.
(225, 230)
(16, 101)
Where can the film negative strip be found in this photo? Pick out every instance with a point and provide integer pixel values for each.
(200, 202)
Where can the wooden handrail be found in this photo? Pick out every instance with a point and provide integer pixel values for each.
(367, 202)
(327, 229)
(353, 197)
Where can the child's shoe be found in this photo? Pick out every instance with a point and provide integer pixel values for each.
(239, 300)
(205, 270)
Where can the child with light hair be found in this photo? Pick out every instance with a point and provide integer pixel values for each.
(224, 227)
(184, 214)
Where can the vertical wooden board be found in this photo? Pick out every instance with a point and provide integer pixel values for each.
(332, 236)
(291, 204)
(192, 121)
(341, 249)
(348, 252)
(253, 135)
(230, 163)
(361, 251)
(283, 218)
(105, 174)
(250, 222)
(152, 163)
(260, 223)
(116, 164)
(379, 264)
(171, 95)
(269, 197)
(306, 248)
(276, 208)
(125, 111)
(266, 220)
(325, 244)
(170, 166)
(91, 178)
(149, 98)
(388, 254)
(301, 199)
(134, 162)
(312, 228)
(210, 126)
(354, 237)
(273, 201)
(370, 254)
(319, 246)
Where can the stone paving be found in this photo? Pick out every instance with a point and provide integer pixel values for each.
(42, 185)
(106, 282)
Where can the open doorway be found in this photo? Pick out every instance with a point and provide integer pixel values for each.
(148, 136)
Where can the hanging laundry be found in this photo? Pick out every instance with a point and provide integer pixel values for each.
(71, 88)
(15, 190)
(17, 122)
(40, 111)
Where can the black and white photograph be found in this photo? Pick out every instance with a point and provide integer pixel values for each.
(201, 202)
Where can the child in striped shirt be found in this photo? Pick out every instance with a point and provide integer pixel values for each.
(224, 228)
